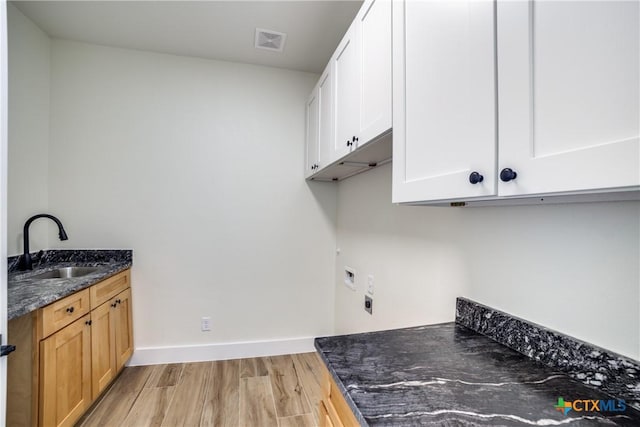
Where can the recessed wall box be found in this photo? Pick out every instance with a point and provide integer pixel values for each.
(350, 278)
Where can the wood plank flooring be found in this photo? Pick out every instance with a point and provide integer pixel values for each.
(278, 391)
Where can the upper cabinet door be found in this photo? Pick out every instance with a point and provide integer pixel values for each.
(312, 151)
(568, 95)
(346, 79)
(325, 128)
(444, 100)
(374, 30)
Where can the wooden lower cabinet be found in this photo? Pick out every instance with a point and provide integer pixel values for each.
(334, 410)
(325, 419)
(65, 369)
(68, 353)
(103, 360)
(123, 329)
(111, 340)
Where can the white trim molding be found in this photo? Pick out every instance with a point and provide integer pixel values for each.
(219, 351)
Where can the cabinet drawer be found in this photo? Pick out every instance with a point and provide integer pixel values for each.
(61, 313)
(109, 288)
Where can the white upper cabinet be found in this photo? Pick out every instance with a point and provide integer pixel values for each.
(325, 126)
(374, 34)
(444, 104)
(312, 136)
(568, 95)
(346, 73)
(539, 98)
(319, 137)
(362, 79)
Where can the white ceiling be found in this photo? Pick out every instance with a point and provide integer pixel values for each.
(222, 30)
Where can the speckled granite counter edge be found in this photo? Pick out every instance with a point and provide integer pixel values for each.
(26, 295)
(341, 387)
(594, 366)
(56, 256)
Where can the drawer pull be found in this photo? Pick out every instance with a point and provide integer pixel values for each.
(70, 309)
(88, 322)
(114, 305)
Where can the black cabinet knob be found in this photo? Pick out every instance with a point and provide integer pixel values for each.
(114, 305)
(349, 143)
(88, 322)
(69, 309)
(118, 301)
(507, 174)
(475, 178)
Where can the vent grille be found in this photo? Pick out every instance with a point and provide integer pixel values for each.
(270, 40)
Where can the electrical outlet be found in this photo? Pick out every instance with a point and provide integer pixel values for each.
(205, 324)
(370, 287)
(368, 304)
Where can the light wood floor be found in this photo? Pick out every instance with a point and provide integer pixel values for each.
(280, 391)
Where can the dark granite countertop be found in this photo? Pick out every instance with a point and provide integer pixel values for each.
(26, 294)
(450, 375)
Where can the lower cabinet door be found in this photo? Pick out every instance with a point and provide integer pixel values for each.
(325, 419)
(103, 362)
(65, 368)
(123, 329)
(335, 407)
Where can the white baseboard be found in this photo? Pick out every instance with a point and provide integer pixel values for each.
(222, 351)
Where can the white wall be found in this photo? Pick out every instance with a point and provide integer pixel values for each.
(198, 166)
(573, 268)
(28, 115)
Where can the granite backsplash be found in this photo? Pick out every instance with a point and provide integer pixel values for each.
(612, 373)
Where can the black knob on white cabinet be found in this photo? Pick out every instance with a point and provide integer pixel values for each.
(349, 143)
(508, 174)
(475, 178)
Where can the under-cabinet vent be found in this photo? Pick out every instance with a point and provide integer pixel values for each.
(270, 40)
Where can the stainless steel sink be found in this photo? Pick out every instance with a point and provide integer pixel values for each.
(66, 273)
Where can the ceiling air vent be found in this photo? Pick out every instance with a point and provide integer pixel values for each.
(270, 40)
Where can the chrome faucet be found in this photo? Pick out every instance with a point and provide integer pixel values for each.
(25, 261)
